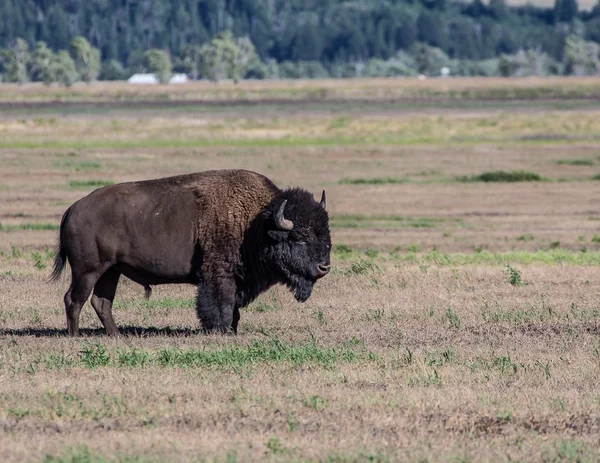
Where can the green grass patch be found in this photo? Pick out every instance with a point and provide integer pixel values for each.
(29, 226)
(261, 306)
(287, 141)
(132, 358)
(57, 361)
(342, 250)
(576, 162)
(503, 176)
(374, 181)
(83, 166)
(375, 221)
(347, 255)
(552, 256)
(569, 450)
(234, 356)
(518, 316)
(82, 454)
(596, 177)
(525, 238)
(87, 165)
(353, 139)
(514, 276)
(537, 311)
(90, 183)
(360, 267)
(340, 122)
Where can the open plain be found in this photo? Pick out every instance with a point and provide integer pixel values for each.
(459, 323)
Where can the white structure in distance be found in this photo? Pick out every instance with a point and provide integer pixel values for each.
(148, 79)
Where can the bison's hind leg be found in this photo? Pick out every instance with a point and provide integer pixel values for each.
(75, 297)
(102, 299)
(236, 319)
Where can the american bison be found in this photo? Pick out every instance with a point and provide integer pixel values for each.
(232, 233)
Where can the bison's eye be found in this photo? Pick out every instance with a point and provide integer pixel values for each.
(300, 236)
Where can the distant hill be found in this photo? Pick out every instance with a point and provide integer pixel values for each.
(584, 5)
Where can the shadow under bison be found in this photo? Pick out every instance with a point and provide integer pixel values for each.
(133, 331)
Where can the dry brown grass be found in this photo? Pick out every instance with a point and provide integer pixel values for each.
(314, 90)
(394, 357)
(510, 372)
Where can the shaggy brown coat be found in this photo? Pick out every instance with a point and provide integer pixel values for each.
(210, 229)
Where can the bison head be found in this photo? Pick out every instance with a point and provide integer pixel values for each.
(299, 240)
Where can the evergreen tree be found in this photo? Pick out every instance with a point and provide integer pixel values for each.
(356, 44)
(58, 28)
(307, 44)
(435, 4)
(476, 9)
(497, 8)
(406, 35)
(430, 29)
(595, 13)
(464, 42)
(593, 29)
(565, 10)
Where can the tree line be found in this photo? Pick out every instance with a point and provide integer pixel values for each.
(80, 62)
(57, 41)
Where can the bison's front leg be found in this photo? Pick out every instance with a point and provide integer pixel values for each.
(215, 303)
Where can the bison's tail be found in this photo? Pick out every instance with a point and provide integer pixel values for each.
(60, 260)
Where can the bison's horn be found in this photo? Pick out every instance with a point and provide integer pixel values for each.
(281, 221)
(323, 200)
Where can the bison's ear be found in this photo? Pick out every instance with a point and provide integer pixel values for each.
(323, 200)
(278, 235)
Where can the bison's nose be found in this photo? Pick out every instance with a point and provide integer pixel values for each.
(323, 269)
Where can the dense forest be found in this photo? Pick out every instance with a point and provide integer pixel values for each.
(304, 37)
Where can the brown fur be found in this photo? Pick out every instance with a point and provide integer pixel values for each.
(233, 198)
(208, 228)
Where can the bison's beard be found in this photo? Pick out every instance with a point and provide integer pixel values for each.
(301, 287)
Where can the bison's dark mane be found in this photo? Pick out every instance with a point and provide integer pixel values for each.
(256, 273)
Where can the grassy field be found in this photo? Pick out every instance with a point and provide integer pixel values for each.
(304, 92)
(459, 323)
